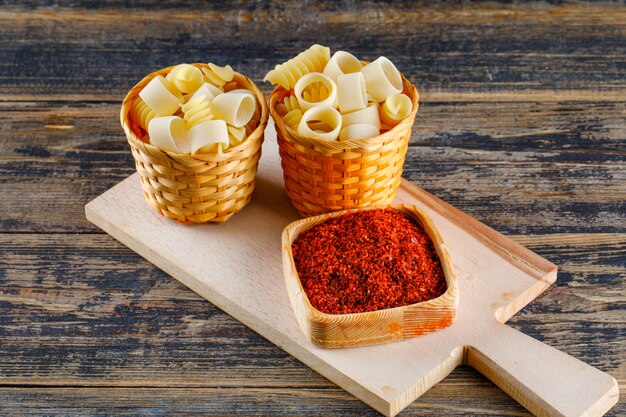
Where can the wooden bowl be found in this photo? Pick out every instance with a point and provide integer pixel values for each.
(373, 327)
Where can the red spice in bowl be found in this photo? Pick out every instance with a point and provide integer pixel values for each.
(367, 260)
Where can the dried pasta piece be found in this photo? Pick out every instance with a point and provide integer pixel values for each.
(396, 107)
(382, 79)
(217, 75)
(243, 91)
(197, 111)
(368, 115)
(141, 113)
(288, 104)
(292, 119)
(186, 78)
(169, 133)
(291, 102)
(209, 136)
(342, 62)
(230, 86)
(236, 135)
(208, 90)
(309, 100)
(318, 91)
(161, 96)
(315, 92)
(328, 115)
(358, 131)
(288, 73)
(236, 109)
(351, 92)
(257, 108)
(322, 127)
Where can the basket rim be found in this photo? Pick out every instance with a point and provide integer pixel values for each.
(132, 138)
(408, 88)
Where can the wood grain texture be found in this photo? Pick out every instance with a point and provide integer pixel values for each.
(89, 289)
(474, 395)
(519, 167)
(521, 124)
(71, 296)
(481, 48)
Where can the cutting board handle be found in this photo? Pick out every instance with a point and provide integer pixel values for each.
(545, 380)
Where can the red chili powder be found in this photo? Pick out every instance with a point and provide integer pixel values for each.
(367, 260)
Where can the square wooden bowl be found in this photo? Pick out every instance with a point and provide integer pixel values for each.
(374, 327)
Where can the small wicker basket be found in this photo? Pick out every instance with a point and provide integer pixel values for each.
(324, 176)
(197, 188)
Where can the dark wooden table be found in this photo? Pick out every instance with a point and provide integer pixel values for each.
(522, 124)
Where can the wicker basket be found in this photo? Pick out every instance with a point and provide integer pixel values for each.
(323, 176)
(197, 188)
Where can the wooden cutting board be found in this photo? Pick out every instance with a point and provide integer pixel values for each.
(237, 266)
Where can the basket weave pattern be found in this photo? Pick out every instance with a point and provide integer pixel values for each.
(323, 176)
(197, 188)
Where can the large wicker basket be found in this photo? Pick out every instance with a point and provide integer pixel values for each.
(324, 176)
(197, 188)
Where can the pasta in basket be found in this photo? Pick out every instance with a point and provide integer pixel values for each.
(236, 135)
(315, 89)
(288, 73)
(188, 111)
(186, 78)
(315, 93)
(359, 100)
(196, 111)
(217, 75)
(292, 119)
(142, 113)
(289, 103)
(396, 107)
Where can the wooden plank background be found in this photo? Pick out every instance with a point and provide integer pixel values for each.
(522, 124)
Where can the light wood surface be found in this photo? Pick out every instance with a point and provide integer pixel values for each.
(372, 327)
(237, 266)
